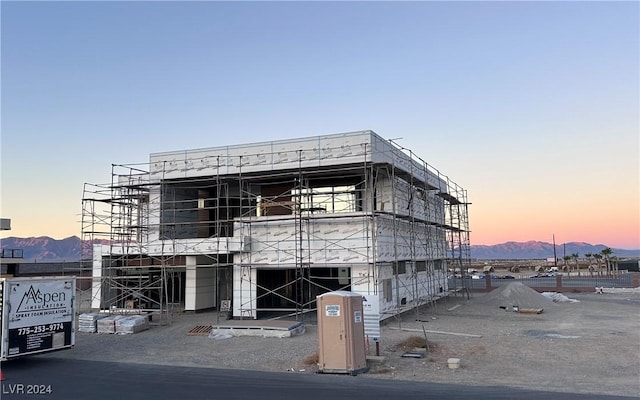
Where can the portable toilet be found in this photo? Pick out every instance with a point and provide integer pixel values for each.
(341, 341)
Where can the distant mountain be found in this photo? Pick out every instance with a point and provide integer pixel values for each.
(46, 249)
(541, 250)
(41, 249)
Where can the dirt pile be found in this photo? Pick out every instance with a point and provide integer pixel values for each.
(516, 294)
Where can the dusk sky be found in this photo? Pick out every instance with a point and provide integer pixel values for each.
(533, 107)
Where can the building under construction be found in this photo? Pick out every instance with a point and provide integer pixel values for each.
(263, 228)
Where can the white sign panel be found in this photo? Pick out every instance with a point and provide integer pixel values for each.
(371, 311)
(332, 310)
(357, 317)
(225, 305)
(40, 315)
(40, 301)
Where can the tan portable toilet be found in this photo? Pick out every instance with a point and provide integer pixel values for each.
(341, 343)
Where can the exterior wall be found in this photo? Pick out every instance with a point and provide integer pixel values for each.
(244, 292)
(193, 247)
(427, 244)
(326, 241)
(200, 286)
(363, 279)
(385, 153)
(96, 287)
(423, 287)
(154, 213)
(409, 201)
(312, 152)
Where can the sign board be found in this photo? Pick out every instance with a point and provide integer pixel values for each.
(332, 310)
(39, 315)
(357, 317)
(225, 305)
(371, 311)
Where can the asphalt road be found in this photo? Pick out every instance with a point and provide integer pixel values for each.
(54, 378)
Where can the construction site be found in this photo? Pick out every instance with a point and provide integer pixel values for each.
(259, 230)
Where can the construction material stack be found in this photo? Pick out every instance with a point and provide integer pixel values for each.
(87, 322)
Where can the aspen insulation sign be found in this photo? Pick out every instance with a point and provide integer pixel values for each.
(40, 315)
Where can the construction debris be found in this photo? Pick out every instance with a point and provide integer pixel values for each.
(548, 334)
(620, 290)
(412, 354)
(530, 310)
(454, 363)
(559, 297)
(219, 334)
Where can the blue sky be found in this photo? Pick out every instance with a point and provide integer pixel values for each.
(532, 107)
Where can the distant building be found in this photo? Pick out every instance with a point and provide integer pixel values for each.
(629, 265)
(5, 224)
(266, 227)
(10, 259)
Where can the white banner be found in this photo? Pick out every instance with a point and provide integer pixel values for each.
(39, 301)
(371, 311)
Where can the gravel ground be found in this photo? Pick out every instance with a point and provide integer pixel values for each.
(592, 346)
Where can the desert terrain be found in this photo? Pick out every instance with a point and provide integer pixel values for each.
(589, 343)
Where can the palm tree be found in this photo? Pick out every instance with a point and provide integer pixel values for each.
(566, 266)
(588, 257)
(576, 257)
(614, 265)
(598, 258)
(606, 253)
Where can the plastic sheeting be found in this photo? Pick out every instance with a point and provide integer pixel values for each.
(108, 324)
(559, 297)
(132, 324)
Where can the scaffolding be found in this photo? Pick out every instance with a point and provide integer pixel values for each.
(115, 224)
(270, 226)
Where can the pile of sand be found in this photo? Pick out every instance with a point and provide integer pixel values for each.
(516, 294)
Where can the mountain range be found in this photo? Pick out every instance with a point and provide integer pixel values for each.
(541, 250)
(44, 248)
(41, 249)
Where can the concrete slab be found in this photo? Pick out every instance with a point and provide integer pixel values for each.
(262, 328)
(258, 324)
